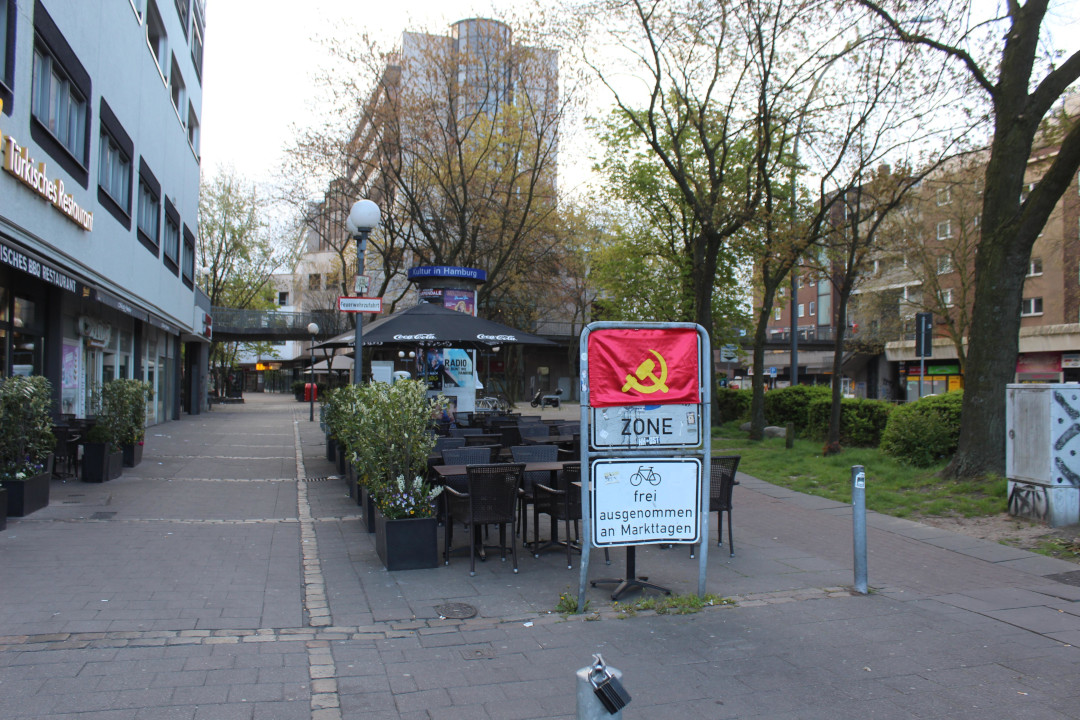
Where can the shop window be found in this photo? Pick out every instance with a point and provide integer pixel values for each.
(1031, 306)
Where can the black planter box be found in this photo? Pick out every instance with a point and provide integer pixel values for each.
(132, 454)
(3, 509)
(331, 449)
(340, 452)
(409, 544)
(350, 480)
(367, 508)
(95, 462)
(116, 464)
(28, 495)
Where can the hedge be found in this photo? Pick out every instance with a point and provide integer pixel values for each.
(791, 404)
(862, 422)
(926, 431)
(731, 405)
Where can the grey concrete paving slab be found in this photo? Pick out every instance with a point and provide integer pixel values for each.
(210, 582)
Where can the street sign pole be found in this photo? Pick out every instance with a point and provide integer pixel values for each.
(624, 447)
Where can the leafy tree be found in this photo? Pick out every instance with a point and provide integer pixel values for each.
(236, 252)
(1018, 89)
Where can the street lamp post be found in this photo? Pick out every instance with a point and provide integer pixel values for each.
(363, 218)
(313, 330)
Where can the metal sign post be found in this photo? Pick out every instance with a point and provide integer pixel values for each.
(924, 343)
(643, 392)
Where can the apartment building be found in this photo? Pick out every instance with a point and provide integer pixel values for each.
(99, 198)
(924, 262)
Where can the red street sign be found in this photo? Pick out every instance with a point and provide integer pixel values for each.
(632, 366)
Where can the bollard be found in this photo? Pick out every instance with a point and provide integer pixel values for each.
(858, 525)
(589, 706)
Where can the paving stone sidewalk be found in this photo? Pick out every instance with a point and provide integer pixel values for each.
(228, 576)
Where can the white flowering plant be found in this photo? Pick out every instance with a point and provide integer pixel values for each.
(400, 499)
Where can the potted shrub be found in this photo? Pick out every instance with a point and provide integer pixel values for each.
(127, 399)
(26, 443)
(97, 452)
(406, 529)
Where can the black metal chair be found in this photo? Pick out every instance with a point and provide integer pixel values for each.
(562, 503)
(464, 456)
(721, 482)
(491, 500)
(526, 454)
(66, 452)
(482, 439)
(447, 443)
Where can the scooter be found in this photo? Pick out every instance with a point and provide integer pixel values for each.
(541, 400)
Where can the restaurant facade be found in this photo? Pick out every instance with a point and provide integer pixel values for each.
(99, 199)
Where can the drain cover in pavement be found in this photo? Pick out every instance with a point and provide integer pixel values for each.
(1069, 578)
(319, 479)
(455, 610)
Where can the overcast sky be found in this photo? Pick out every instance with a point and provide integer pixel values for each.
(261, 56)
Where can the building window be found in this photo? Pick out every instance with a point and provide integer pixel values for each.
(58, 105)
(283, 298)
(182, 9)
(946, 297)
(944, 196)
(187, 266)
(944, 230)
(193, 130)
(149, 213)
(944, 264)
(1031, 306)
(156, 38)
(1035, 267)
(778, 313)
(114, 171)
(812, 307)
(197, 44)
(802, 310)
(177, 89)
(7, 61)
(314, 281)
(171, 240)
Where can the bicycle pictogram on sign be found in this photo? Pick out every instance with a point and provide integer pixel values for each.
(645, 474)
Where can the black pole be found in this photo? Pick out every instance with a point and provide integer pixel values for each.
(311, 393)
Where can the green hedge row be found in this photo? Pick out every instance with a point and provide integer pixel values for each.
(862, 422)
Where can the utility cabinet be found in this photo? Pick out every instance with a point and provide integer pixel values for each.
(1042, 443)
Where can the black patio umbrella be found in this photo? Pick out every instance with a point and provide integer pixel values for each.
(431, 325)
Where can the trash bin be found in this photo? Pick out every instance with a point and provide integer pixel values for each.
(311, 392)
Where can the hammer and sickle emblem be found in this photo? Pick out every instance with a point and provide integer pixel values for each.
(645, 372)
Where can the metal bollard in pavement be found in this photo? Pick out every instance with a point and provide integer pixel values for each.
(589, 704)
(858, 525)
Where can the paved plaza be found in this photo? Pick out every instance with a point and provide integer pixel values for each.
(228, 577)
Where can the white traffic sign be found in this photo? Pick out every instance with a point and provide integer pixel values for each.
(646, 426)
(360, 284)
(360, 304)
(645, 500)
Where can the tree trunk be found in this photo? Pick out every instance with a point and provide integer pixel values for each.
(757, 401)
(832, 443)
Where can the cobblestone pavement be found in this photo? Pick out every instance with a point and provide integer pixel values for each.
(228, 577)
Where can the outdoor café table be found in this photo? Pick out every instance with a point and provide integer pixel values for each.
(560, 440)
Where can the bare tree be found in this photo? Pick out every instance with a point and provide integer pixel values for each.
(1000, 57)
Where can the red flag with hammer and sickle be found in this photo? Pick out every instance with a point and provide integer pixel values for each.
(631, 366)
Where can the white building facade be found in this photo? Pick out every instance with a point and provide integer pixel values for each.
(99, 198)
